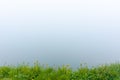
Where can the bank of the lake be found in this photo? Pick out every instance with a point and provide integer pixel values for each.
(65, 72)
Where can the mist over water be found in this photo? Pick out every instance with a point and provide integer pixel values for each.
(59, 34)
(59, 46)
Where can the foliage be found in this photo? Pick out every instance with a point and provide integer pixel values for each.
(40, 72)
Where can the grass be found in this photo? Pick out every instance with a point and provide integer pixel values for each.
(45, 72)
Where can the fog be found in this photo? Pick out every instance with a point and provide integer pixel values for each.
(59, 32)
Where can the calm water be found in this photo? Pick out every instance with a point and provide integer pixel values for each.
(59, 46)
(59, 32)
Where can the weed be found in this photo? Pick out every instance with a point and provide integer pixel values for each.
(39, 72)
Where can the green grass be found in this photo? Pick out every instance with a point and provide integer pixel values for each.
(45, 72)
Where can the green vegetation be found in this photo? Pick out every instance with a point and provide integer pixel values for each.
(45, 72)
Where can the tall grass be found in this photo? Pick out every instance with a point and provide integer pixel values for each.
(65, 72)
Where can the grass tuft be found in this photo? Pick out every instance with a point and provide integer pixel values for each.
(65, 72)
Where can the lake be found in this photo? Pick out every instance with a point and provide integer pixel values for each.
(59, 46)
(59, 32)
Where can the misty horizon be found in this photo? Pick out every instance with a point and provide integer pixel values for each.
(59, 32)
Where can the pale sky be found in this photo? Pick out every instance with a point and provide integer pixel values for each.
(70, 27)
(67, 12)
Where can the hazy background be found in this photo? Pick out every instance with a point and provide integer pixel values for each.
(59, 32)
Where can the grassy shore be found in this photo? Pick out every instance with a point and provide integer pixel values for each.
(45, 72)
